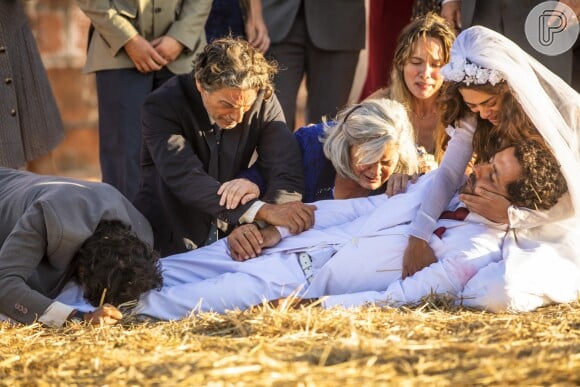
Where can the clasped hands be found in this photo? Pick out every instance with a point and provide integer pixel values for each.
(152, 56)
(247, 241)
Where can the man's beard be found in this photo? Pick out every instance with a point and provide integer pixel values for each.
(469, 186)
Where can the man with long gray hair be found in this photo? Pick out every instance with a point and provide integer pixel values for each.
(201, 129)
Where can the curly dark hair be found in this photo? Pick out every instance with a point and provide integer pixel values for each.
(542, 182)
(233, 62)
(116, 259)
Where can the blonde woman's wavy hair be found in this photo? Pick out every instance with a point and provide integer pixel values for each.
(372, 124)
(428, 26)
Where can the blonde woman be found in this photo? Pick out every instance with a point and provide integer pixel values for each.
(422, 50)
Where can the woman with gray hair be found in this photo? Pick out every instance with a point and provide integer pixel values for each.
(367, 144)
(354, 155)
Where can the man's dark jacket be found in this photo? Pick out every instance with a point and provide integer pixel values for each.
(182, 167)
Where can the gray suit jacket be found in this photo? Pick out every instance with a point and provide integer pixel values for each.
(117, 21)
(30, 123)
(332, 24)
(44, 221)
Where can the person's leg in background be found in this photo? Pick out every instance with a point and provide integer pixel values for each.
(329, 77)
(290, 55)
(120, 95)
(225, 18)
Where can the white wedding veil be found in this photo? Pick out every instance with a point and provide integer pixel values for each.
(550, 103)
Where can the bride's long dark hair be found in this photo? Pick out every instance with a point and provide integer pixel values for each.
(488, 139)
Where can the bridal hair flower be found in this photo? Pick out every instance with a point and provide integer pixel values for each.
(462, 70)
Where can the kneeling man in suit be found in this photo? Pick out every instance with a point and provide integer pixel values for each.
(54, 230)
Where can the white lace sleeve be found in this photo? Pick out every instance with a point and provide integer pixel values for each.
(449, 178)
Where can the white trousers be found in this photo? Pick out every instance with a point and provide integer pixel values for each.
(208, 279)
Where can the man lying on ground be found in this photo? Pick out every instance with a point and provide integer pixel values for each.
(353, 255)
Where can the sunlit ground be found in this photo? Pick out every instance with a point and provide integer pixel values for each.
(432, 344)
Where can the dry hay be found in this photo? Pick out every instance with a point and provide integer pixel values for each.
(432, 343)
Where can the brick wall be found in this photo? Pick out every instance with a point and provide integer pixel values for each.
(60, 29)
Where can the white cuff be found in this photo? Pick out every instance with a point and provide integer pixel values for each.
(284, 232)
(448, 1)
(423, 226)
(250, 214)
(55, 315)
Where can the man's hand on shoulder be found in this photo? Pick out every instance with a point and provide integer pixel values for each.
(296, 216)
